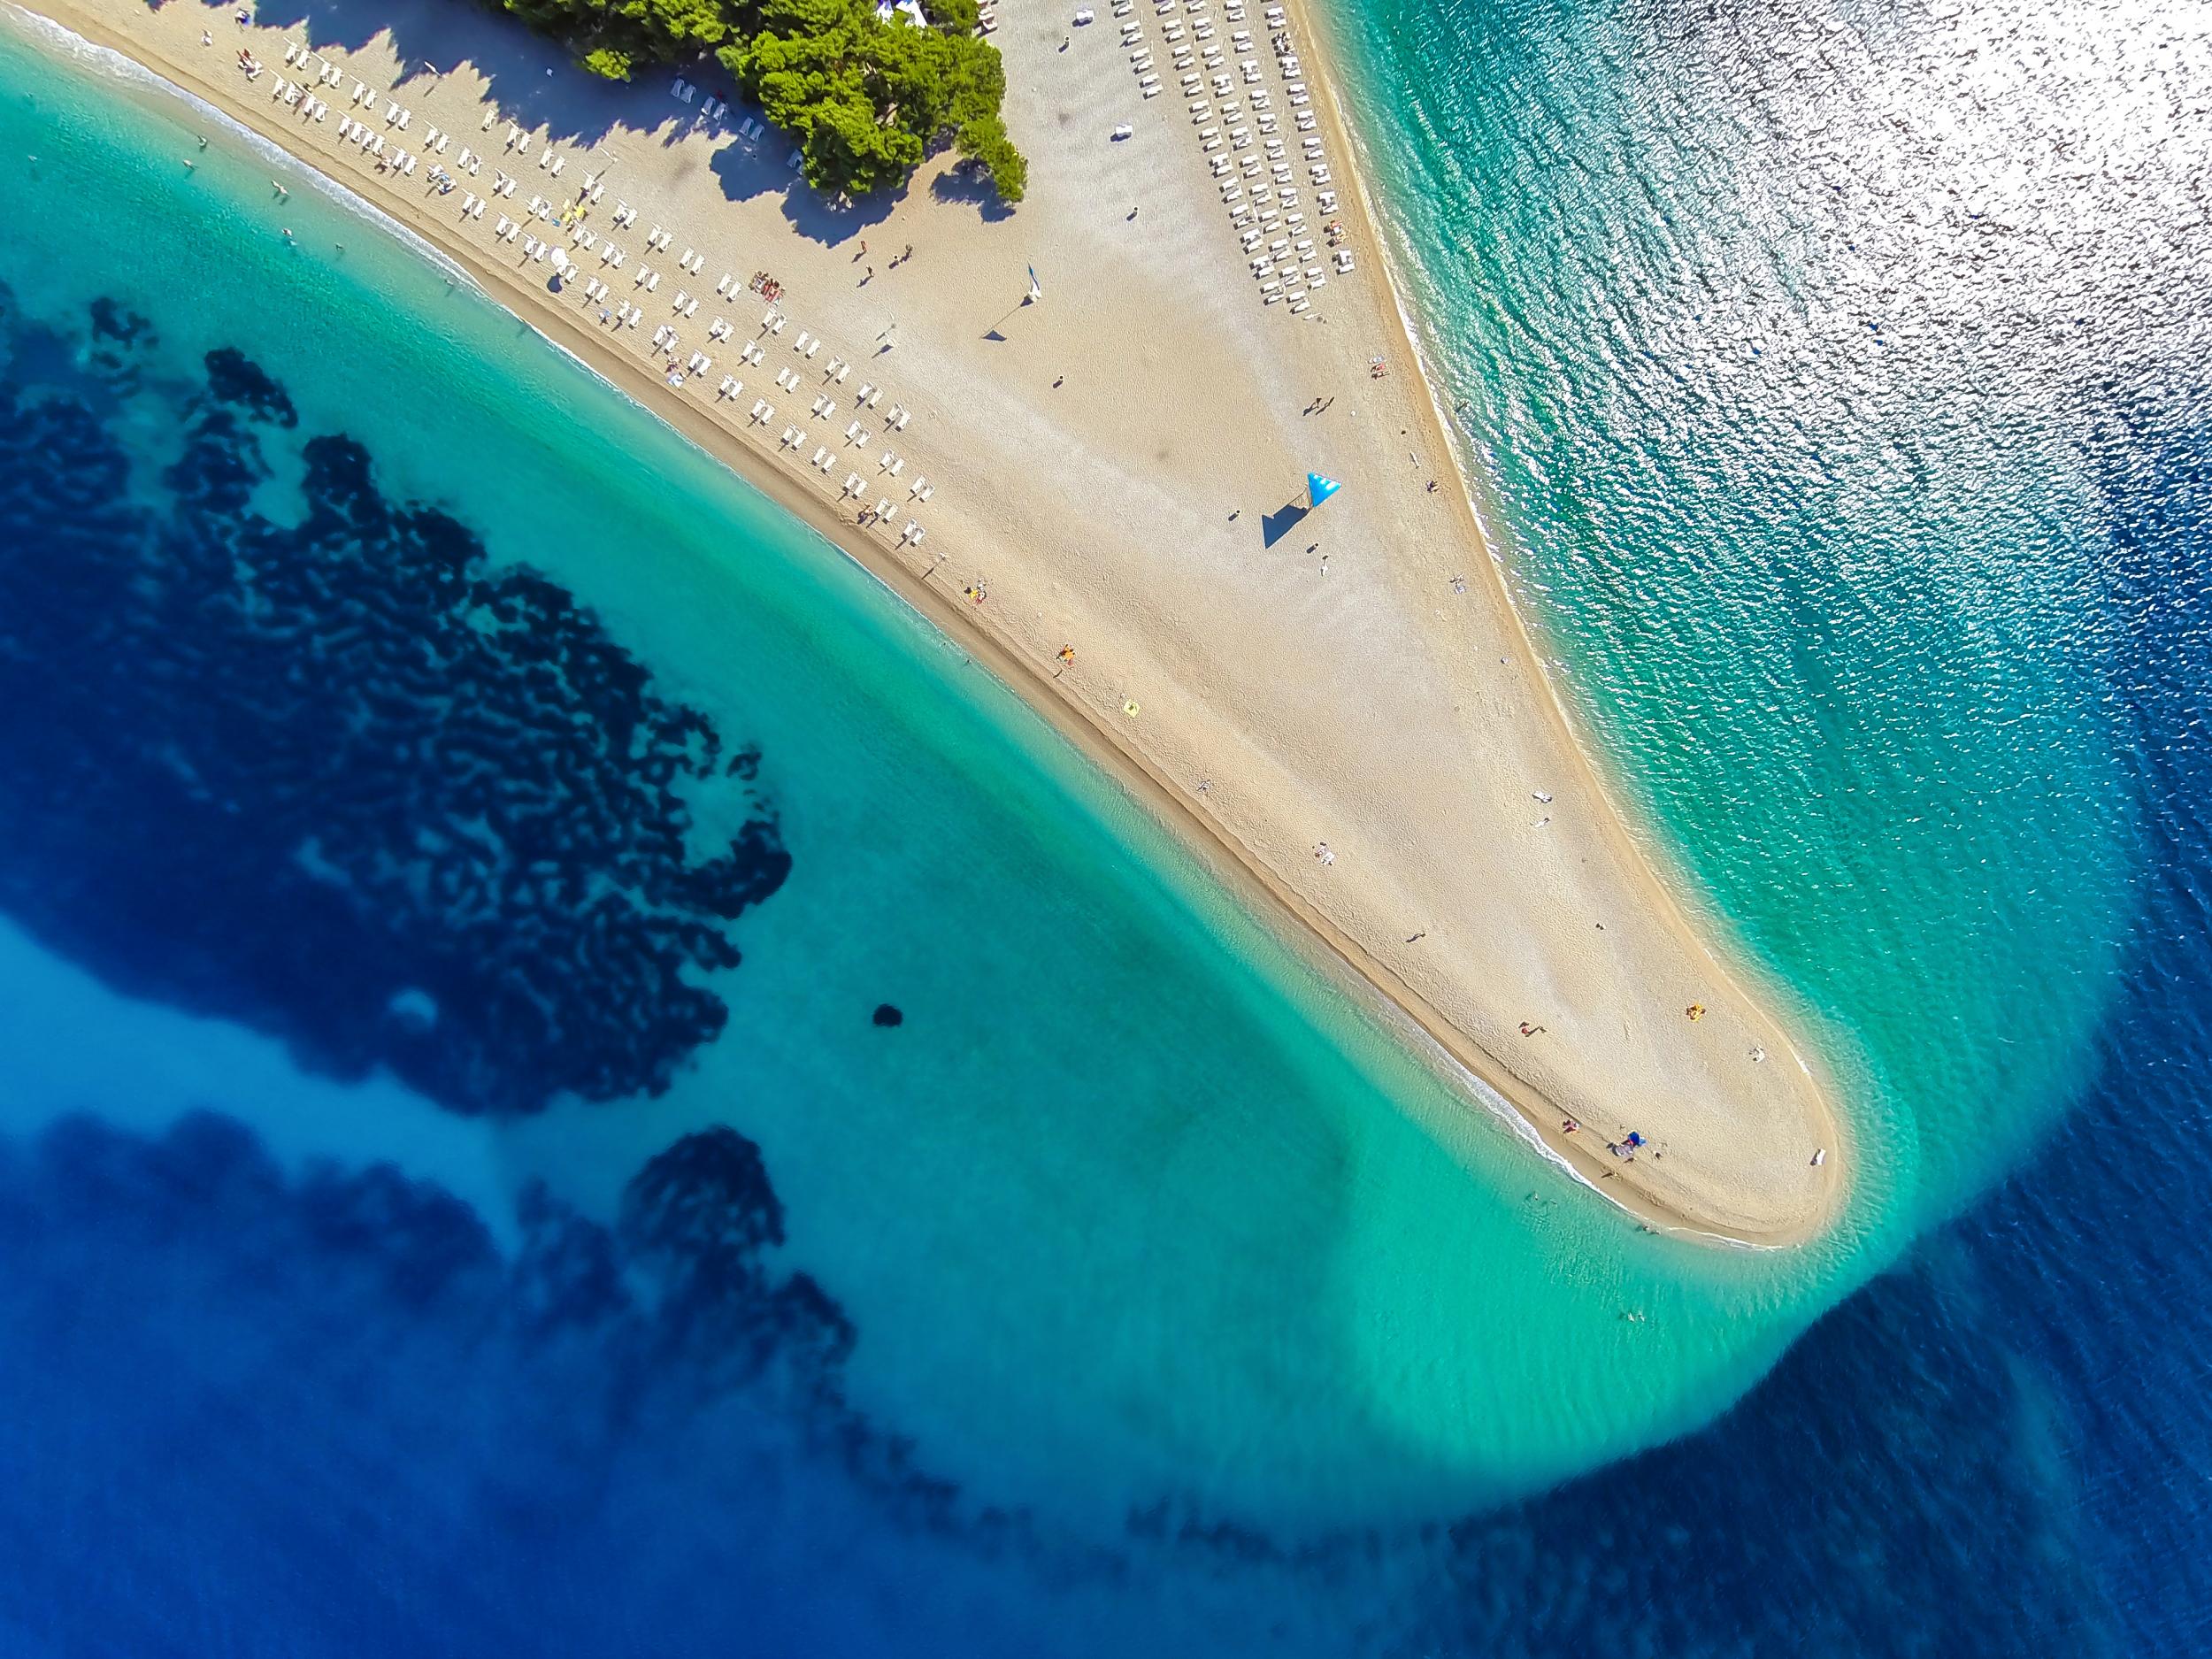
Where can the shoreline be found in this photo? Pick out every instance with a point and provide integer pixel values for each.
(1242, 868)
(1650, 850)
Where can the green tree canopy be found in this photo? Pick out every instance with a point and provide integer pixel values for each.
(865, 100)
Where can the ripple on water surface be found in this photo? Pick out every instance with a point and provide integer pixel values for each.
(1129, 1203)
(1809, 352)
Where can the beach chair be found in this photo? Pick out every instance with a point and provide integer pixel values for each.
(853, 486)
(883, 510)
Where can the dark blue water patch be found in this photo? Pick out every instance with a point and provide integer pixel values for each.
(340, 779)
(1994, 1451)
(249, 1412)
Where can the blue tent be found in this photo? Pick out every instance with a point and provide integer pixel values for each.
(1318, 489)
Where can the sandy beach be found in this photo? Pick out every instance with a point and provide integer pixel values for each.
(1340, 708)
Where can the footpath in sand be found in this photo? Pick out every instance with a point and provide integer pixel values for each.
(1341, 701)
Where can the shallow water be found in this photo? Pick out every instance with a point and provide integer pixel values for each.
(391, 781)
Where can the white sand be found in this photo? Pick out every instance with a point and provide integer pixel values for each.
(1377, 709)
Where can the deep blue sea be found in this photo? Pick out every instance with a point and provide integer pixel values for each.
(513, 1137)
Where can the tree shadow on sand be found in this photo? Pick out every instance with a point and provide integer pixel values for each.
(534, 82)
(971, 185)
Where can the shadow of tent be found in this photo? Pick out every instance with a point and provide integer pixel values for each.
(1279, 523)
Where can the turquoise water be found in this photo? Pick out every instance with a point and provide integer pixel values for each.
(408, 1200)
(1269, 1264)
(1810, 495)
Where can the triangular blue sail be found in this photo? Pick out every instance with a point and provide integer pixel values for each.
(1318, 489)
